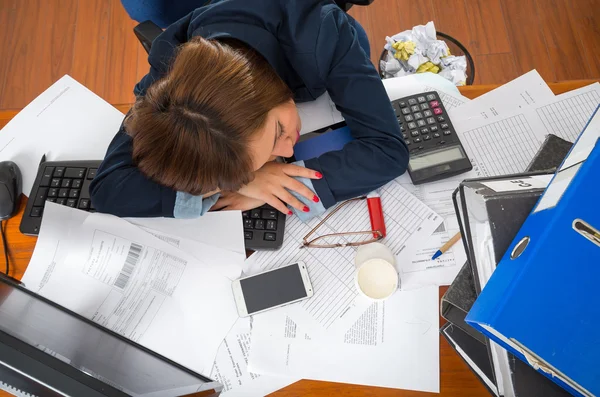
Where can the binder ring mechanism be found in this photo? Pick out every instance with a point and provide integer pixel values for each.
(520, 248)
(587, 231)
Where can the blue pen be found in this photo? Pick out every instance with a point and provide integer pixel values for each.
(446, 246)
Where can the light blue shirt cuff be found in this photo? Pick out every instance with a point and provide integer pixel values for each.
(316, 209)
(188, 206)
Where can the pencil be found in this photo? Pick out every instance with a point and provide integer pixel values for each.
(447, 246)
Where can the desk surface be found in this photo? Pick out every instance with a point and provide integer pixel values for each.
(456, 378)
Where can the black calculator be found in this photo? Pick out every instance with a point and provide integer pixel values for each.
(435, 150)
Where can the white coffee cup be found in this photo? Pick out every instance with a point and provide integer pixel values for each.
(376, 275)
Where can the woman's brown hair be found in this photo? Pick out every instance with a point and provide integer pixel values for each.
(192, 129)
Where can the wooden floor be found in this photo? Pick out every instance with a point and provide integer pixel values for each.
(41, 40)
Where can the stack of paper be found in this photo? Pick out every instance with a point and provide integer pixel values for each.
(163, 283)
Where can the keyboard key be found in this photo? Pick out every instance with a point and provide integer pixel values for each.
(441, 119)
(269, 214)
(259, 224)
(408, 118)
(92, 173)
(401, 127)
(55, 182)
(76, 184)
(414, 133)
(247, 235)
(40, 197)
(404, 135)
(412, 125)
(248, 223)
(433, 128)
(255, 213)
(52, 192)
(424, 131)
(59, 172)
(48, 171)
(407, 141)
(412, 101)
(84, 204)
(74, 193)
(421, 99)
(45, 181)
(246, 214)
(415, 108)
(436, 135)
(270, 236)
(434, 104)
(441, 142)
(418, 115)
(75, 172)
(426, 137)
(424, 106)
(444, 126)
(71, 203)
(430, 97)
(447, 132)
(402, 104)
(271, 225)
(63, 193)
(66, 183)
(430, 120)
(417, 140)
(427, 113)
(51, 199)
(421, 123)
(437, 111)
(406, 111)
(37, 211)
(61, 201)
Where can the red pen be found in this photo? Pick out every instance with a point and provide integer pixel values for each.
(376, 213)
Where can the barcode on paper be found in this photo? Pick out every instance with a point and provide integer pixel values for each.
(133, 256)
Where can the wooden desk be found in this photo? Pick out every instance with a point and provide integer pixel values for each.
(456, 378)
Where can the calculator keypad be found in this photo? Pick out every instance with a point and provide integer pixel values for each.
(423, 122)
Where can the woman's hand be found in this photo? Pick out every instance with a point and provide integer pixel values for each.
(270, 184)
(234, 201)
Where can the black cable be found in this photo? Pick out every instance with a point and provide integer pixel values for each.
(5, 246)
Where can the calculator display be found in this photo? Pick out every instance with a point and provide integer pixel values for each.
(436, 158)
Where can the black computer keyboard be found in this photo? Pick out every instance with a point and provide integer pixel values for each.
(68, 183)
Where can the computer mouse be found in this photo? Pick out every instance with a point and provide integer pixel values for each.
(10, 189)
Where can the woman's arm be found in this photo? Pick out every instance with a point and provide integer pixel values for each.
(378, 154)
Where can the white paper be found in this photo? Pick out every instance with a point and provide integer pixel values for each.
(66, 122)
(223, 229)
(141, 287)
(521, 93)
(417, 269)
(511, 185)
(318, 114)
(409, 222)
(394, 343)
(568, 113)
(231, 366)
(399, 87)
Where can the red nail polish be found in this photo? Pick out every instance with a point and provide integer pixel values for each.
(318, 175)
(290, 213)
(305, 209)
(315, 199)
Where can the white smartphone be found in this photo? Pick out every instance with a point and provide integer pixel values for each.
(271, 289)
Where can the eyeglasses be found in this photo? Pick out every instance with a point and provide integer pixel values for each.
(321, 241)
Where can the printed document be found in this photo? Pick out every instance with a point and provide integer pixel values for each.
(133, 283)
(231, 366)
(409, 223)
(394, 343)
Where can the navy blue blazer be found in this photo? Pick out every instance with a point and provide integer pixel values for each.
(314, 48)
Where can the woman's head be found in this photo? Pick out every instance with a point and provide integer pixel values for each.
(218, 115)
